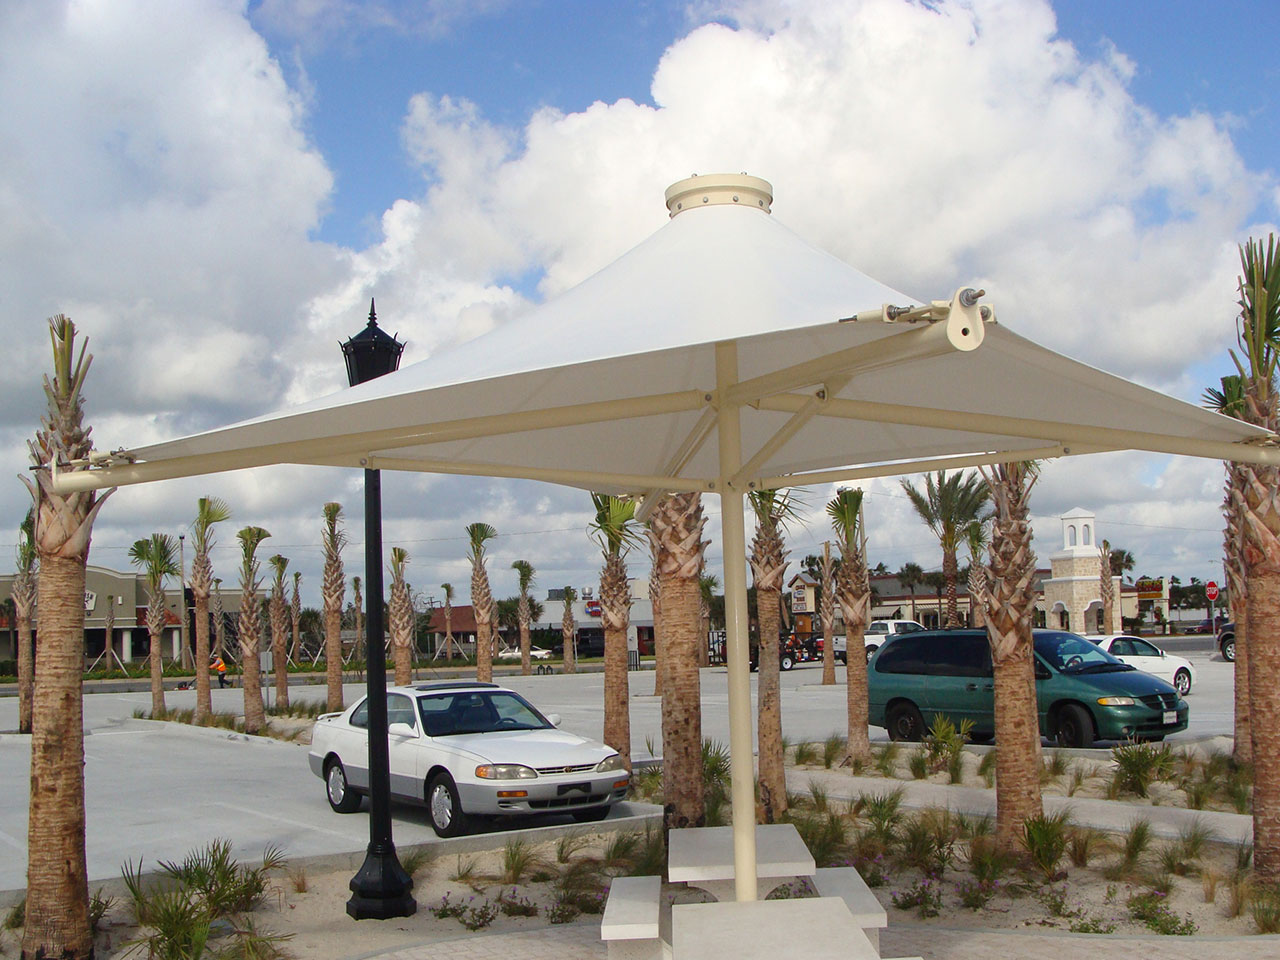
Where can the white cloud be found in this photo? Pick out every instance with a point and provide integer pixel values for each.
(156, 181)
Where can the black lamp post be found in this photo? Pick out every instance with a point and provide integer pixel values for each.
(381, 888)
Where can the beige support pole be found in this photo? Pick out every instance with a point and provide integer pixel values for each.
(734, 539)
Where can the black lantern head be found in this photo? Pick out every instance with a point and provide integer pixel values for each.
(371, 353)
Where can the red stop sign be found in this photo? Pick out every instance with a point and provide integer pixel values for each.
(1211, 590)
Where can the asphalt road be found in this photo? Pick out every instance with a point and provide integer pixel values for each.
(156, 791)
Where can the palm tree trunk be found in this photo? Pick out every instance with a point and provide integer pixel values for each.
(204, 698)
(1018, 758)
(659, 653)
(827, 615)
(280, 659)
(681, 703)
(617, 701)
(157, 675)
(333, 656)
(1264, 674)
(772, 773)
(26, 673)
(1010, 604)
(523, 616)
(1239, 592)
(950, 571)
(57, 904)
(484, 652)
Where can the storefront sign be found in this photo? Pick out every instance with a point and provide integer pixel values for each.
(1150, 588)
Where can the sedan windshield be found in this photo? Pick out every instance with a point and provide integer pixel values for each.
(469, 711)
(1068, 653)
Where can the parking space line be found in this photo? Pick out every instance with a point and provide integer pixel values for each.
(267, 816)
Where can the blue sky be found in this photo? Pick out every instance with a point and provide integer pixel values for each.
(214, 190)
(1188, 55)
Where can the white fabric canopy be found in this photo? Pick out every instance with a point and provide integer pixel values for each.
(637, 401)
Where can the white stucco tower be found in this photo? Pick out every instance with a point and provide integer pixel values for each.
(1073, 586)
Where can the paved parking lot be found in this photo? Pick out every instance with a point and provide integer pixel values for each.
(156, 791)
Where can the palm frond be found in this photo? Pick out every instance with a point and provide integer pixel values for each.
(614, 526)
(844, 509)
(477, 535)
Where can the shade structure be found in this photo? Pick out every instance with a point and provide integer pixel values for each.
(722, 354)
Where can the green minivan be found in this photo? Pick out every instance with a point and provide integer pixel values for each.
(1084, 694)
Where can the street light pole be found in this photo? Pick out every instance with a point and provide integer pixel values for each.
(380, 890)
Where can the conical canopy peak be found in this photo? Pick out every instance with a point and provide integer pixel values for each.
(714, 188)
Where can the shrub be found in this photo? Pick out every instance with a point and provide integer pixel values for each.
(1138, 765)
(1045, 838)
(987, 768)
(1084, 842)
(833, 748)
(974, 894)
(1152, 910)
(925, 895)
(1266, 909)
(919, 765)
(886, 759)
(805, 754)
(518, 859)
(883, 811)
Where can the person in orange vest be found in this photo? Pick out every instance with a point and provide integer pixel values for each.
(221, 667)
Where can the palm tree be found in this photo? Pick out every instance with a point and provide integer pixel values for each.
(911, 575)
(1258, 335)
(827, 614)
(250, 626)
(478, 534)
(524, 572)
(358, 652)
(854, 594)
(1010, 606)
(23, 595)
(677, 524)
(157, 558)
(976, 539)
(947, 506)
(707, 587)
(448, 619)
(295, 616)
(569, 632)
(1230, 402)
(333, 588)
(937, 581)
(613, 530)
(768, 559)
(401, 617)
(1106, 588)
(1121, 561)
(209, 510)
(57, 907)
(279, 613)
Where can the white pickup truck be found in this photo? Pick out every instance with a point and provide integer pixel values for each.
(878, 631)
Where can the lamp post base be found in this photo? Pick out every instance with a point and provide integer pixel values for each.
(380, 890)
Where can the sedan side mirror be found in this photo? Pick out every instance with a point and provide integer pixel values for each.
(401, 730)
(553, 719)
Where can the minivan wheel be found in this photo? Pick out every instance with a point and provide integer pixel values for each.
(1182, 682)
(1075, 726)
(1229, 650)
(871, 651)
(904, 722)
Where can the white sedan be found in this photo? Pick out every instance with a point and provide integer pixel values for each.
(467, 749)
(1149, 658)
(513, 653)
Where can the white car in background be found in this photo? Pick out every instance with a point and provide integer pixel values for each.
(1147, 657)
(878, 631)
(466, 749)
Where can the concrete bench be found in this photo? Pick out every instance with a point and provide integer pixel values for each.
(847, 884)
(632, 919)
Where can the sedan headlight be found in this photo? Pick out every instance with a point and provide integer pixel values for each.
(1116, 701)
(609, 763)
(506, 771)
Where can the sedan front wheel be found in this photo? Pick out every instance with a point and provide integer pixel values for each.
(444, 807)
